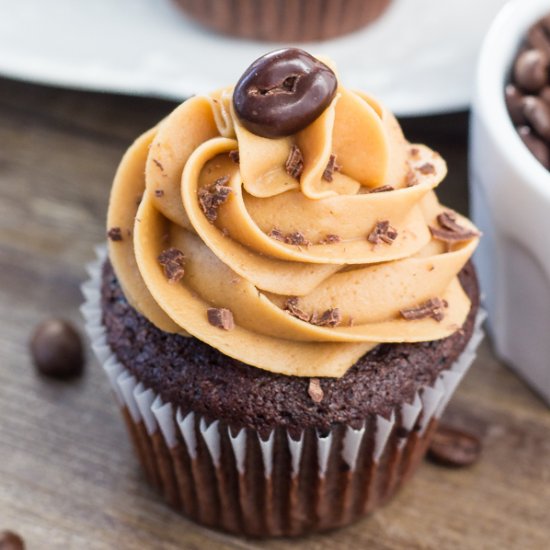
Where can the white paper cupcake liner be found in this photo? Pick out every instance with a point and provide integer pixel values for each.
(375, 458)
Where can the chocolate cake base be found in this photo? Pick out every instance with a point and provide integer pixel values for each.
(194, 376)
(250, 452)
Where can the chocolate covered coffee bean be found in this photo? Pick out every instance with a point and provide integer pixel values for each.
(283, 92)
(530, 70)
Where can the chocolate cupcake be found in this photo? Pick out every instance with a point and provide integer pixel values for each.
(285, 308)
(284, 20)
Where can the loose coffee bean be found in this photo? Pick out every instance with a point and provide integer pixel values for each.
(537, 113)
(11, 541)
(538, 39)
(56, 349)
(537, 147)
(454, 447)
(544, 94)
(514, 102)
(283, 92)
(531, 70)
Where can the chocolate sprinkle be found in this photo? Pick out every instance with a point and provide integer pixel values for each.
(330, 239)
(295, 163)
(220, 318)
(211, 198)
(234, 156)
(115, 234)
(159, 193)
(276, 234)
(173, 262)
(159, 164)
(330, 318)
(331, 168)
(427, 169)
(430, 308)
(383, 232)
(291, 305)
(296, 239)
(315, 391)
(382, 189)
(452, 231)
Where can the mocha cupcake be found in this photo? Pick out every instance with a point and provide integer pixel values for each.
(285, 308)
(284, 20)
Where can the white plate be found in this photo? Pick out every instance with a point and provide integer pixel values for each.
(419, 58)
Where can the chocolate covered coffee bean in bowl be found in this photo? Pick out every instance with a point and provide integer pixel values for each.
(510, 186)
(284, 307)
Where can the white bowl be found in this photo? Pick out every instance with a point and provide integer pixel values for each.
(510, 193)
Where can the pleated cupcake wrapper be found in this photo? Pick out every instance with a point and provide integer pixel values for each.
(284, 20)
(378, 440)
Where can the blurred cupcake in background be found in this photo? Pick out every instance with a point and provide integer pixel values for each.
(284, 20)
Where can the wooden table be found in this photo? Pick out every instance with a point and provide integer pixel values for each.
(68, 477)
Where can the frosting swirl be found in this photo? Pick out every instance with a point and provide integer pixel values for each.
(317, 246)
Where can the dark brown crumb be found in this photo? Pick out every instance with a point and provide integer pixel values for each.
(330, 239)
(451, 230)
(427, 169)
(291, 305)
(414, 152)
(173, 262)
(383, 232)
(315, 391)
(411, 178)
(234, 156)
(115, 234)
(211, 198)
(294, 165)
(330, 318)
(159, 193)
(331, 168)
(434, 308)
(159, 164)
(220, 318)
(296, 239)
(382, 189)
(276, 234)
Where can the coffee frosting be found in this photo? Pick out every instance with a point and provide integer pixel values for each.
(242, 258)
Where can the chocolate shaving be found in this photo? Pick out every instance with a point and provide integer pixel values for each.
(296, 239)
(115, 234)
(276, 234)
(330, 239)
(331, 168)
(452, 231)
(427, 168)
(434, 308)
(159, 164)
(383, 232)
(159, 193)
(315, 391)
(173, 261)
(211, 198)
(220, 318)
(291, 305)
(234, 156)
(330, 318)
(382, 189)
(294, 165)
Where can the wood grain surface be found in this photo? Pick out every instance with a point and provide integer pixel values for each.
(68, 476)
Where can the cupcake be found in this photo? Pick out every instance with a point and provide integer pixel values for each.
(284, 20)
(285, 308)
